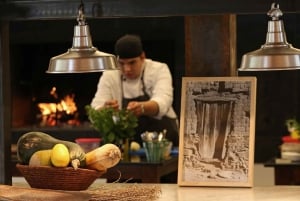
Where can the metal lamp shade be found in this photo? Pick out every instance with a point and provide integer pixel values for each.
(276, 53)
(83, 61)
(82, 57)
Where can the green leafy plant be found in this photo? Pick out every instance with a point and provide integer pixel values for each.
(112, 125)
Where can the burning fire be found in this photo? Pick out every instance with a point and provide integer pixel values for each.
(64, 110)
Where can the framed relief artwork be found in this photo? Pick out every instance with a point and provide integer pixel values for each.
(217, 125)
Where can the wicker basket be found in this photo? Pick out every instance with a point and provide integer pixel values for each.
(59, 178)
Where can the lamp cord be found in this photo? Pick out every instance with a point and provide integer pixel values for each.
(81, 17)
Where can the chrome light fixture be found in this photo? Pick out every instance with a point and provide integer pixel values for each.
(276, 53)
(82, 57)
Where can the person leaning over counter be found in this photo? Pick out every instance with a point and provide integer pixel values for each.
(143, 86)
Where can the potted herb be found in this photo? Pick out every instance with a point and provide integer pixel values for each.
(293, 127)
(114, 126)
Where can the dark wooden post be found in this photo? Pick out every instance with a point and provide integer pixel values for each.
(210, 45)
(5, 106)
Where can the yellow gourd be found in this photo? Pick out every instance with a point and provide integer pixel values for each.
(135, 146)
(104, 157)
(41, 158)
(60, 156)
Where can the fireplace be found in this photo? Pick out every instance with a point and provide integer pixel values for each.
(32, 98)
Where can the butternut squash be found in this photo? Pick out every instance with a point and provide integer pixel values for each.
(102, 158)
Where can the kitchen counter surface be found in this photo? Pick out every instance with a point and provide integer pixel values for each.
(264, 193)
(172, 192)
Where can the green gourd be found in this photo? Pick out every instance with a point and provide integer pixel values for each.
(34, 141)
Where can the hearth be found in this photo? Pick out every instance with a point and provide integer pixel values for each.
(54, 105)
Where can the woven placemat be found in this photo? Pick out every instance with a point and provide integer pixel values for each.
(125, 192)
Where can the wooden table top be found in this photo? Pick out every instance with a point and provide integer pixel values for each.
(142, 171)
(277, 162)
(173, 192)
(264, 193)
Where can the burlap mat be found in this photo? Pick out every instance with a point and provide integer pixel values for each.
(103, 192)
(125, 192)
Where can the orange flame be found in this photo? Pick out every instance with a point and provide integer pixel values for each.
(50, 111)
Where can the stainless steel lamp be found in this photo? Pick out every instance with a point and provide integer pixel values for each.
(276, 53)
(82, 57)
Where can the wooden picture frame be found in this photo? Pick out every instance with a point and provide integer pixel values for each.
(217, 125)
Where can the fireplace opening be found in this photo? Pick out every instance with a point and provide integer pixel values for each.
(35, 92)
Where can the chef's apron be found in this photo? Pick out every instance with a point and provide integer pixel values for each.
(146, 123)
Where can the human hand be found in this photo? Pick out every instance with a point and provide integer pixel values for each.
(136, 107)
(112, 104)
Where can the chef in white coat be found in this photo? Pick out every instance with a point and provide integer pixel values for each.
(142, 86)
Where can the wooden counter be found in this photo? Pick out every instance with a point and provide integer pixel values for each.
(271, 193)
(172, 192)
(144, 172)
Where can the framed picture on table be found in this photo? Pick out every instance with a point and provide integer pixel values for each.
(217, 125)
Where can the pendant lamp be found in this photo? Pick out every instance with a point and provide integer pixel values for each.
(276, 53)
(82, 57)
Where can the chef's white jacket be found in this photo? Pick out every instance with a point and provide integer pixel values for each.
(157, 81)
